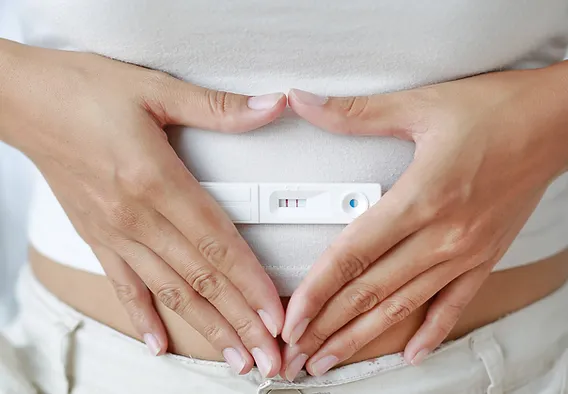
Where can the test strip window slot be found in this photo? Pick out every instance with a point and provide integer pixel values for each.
(287, 203)
(292, 203)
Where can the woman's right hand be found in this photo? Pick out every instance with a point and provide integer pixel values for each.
(95, 129)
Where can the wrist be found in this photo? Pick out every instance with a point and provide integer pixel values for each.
(11, 54)
(542, 107)
(555, 97)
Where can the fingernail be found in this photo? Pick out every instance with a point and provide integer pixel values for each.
(296, 366)
(308, 98)
(234, 359)
(262, 361)
(325, 364)
(268, 322)
(298, 331)
(264, 102)
(152, 344)
(420, 356)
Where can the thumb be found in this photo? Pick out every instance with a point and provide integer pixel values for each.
(174, 102)
(380, 115)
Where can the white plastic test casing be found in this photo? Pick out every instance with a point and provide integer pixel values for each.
(294, 203)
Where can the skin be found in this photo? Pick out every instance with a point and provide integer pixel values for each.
(502, 293)
(97, 134)
(487, 147)
(95, 129)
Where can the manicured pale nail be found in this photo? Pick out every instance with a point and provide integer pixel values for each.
(262, 361)
(298, 331)
(420, 356)
(308, 98)
(325, 364)
(296, 366)
(234, 359)
(152, 344)
(264, 102)
(268, 322)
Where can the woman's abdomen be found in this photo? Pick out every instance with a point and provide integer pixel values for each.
(502, 293)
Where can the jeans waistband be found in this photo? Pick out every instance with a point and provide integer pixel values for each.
(477, 359)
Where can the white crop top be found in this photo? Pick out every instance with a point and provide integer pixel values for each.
(331, 47)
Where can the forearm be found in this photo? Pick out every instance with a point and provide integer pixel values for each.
(10, 79)
(544, 107)
(33, 84)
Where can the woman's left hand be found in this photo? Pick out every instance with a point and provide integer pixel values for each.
(487, 147)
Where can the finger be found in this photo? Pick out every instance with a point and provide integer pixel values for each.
(392, 114)
(175, 102)
(360, 331)
(211, 286)
(171, 290)
(210, 283)
(406, 261)
(444, 313)
(136, 300)
(362, 243)
(210, 231)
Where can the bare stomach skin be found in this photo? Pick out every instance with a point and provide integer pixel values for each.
(502, 293)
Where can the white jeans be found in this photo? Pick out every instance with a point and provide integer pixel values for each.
(53, 349)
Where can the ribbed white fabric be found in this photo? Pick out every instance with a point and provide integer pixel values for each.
(332, 48)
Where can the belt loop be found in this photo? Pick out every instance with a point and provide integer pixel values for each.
(67, 330)
(486, 348)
